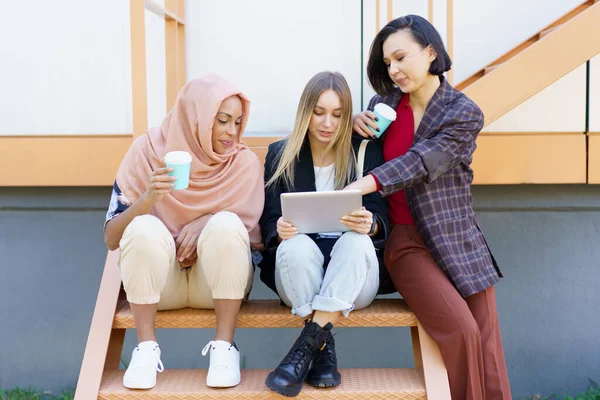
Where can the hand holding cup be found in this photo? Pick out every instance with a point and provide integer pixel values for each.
(180, 163)
(160, 184)
(372, 124)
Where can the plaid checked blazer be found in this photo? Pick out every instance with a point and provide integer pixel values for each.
(436, 176)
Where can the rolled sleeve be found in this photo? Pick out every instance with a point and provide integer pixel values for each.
(118, 204)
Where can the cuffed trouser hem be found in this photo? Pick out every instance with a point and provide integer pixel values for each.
(303, 311)
(143, 299)
(330, 304)
(227, 295)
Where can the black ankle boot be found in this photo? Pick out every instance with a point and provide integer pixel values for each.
(288, 377)
(324, 372)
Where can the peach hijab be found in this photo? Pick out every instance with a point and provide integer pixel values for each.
(218, 182)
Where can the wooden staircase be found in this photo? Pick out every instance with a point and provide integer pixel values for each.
(536, 63)
(497, 88)
(100, 377)
(381, 384)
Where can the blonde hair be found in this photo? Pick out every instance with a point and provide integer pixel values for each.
(345, 159)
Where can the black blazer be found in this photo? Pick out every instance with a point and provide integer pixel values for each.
(304, 175)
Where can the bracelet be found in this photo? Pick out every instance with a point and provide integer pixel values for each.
(373, 225)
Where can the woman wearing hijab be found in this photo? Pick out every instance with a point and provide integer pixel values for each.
(191, 247)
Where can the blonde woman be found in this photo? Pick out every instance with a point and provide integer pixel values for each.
(321, 276)
(191, 247)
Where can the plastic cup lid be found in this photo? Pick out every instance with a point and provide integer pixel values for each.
(178, 157)
(386, 111)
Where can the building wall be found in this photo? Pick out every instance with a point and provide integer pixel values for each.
(594, 118)
(68, 71)
(544, 237)
(271, 51)
(72, 73)
(66, 68)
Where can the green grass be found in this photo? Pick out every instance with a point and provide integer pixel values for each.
(32, 394)
(592, 393)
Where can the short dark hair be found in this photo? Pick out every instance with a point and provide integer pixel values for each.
(423, 32)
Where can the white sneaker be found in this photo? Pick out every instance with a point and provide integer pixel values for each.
(224, 369)
(145, 362)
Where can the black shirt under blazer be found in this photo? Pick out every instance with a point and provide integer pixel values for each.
(304, 175)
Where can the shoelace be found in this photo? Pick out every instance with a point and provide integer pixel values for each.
(330, 349)
(159, 365)
(207, 348)
(330, 353)
(299, 354)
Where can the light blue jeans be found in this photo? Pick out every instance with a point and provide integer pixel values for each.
(351, 281)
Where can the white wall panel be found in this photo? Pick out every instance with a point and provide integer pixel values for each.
(66, 67)
(485, 29)
(399, 8)
(271, 48)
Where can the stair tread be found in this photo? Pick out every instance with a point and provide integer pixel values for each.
(372, 383)
(270, 314)
(582, 16)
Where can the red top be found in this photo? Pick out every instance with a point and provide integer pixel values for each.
(398, 139)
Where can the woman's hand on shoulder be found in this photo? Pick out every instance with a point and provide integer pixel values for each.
(359, 221)
(161, 183)
(362, 121)
(285, 230)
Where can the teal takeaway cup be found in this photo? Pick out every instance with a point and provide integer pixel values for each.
(180, 161)
(386, 116)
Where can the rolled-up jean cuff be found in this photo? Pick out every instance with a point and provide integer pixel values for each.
(143, 299)
(303, 311)
(331, 304)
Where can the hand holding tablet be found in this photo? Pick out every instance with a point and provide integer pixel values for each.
(321, 212)
(285, 230)
(359, 221)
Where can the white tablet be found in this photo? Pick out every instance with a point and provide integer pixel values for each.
(319, 212)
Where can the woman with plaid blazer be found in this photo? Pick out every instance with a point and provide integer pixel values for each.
(436, 255)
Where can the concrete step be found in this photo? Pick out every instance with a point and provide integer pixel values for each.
(270, 314)
(380, 384)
